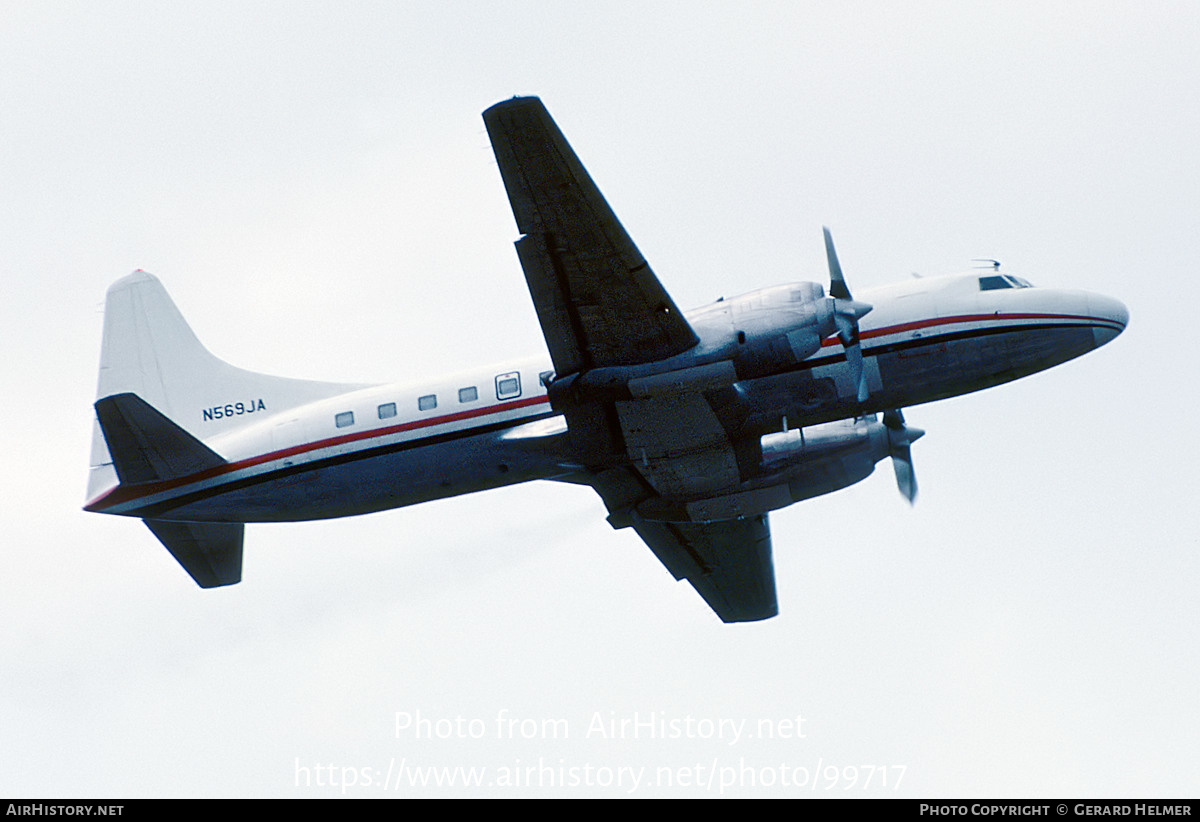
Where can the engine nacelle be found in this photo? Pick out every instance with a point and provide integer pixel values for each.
(795, 465)
(753, 335)
(767, 330)
(824, 458)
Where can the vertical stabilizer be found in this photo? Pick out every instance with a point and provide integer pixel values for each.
(149, 350)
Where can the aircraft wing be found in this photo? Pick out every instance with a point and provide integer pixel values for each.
(599, 305)
(728, 562)
(597, 300)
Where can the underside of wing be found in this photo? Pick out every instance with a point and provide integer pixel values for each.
(598, 302)
(661, 445)
(727, 561)
(677, 444)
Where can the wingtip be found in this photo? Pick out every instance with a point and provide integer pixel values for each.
(516, 101)
(749, 616)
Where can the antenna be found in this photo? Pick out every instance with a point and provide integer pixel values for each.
(992, 264)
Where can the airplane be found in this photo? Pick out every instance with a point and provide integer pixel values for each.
(691, 427)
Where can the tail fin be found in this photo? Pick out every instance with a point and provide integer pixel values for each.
(149, 350)
(160, 395)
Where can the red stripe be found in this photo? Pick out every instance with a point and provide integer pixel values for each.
(119, 493)
(124, 493)
(961, 318)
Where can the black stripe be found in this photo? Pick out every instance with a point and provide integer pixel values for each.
(369, 453)
(941, 339)
(326, 462)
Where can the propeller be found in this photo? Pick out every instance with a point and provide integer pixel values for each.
(846, 313)
(900, 437)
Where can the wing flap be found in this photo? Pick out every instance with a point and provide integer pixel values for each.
(678, 445)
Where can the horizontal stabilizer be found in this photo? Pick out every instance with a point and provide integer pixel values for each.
(210, 551)
(148, 447)
(145, 445)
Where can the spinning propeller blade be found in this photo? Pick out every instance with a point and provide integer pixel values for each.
(847, 311)
(900, 438)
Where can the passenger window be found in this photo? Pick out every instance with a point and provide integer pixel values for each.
(427, 402)
(344, 419)
(508, 385)
(387, 410)
(469, 394)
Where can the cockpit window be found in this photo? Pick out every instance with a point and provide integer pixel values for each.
(998, 281)
(993, 283)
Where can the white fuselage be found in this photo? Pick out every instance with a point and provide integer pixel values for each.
(393, 445)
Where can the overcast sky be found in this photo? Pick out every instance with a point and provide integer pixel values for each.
(313, 184)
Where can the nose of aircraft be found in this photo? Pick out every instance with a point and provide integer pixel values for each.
(1112, 315)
